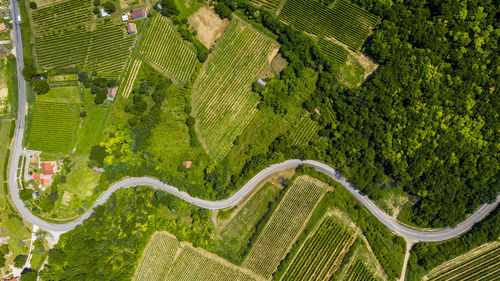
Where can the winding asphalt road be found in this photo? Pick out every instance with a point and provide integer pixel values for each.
(392, 224)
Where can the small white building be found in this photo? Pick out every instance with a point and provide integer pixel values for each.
(104, 13)
(125, 17)
(261, 82)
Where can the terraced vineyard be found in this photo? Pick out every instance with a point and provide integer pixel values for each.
(61, 15)
(305, 130)
(482, 266)
(81, 180)
(127, 87)
(271, 5)
(321, 253)
(165, 47)
(105, 49)
(161, 261)
(284, 226)
(158, 258)
(191, 264)
(223, 100)
(53, 127)
(359, 271)
(333, 51)
(345, 21)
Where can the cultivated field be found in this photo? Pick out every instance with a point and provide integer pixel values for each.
(481, 264)
(66, 35)
(166, 259)
(305, 130)
(333, 51)
(237, 232)
(163, 45)
(345, 22)
(222, 96)
(93, 126)
(271, 5)
(129, 84)
(359, 271)
(53, 127)
(284, 226)
(321, 253)
(157, 258)
(81, 180)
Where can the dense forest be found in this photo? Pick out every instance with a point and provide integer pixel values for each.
(426, 120)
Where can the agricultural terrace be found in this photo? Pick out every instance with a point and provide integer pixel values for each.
(359, 271)
(157, 258)
(284, 226)
(321, 253)
(166, 259)
(67, 35)
(53, 126)
(222, 96)
(345, 22)
(271, 5)
(480, 264)
(163, 45)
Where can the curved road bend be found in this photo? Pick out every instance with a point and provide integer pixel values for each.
(392, 224)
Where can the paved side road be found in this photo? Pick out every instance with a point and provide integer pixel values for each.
(410, 233)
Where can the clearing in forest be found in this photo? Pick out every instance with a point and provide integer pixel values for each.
(163, 46)
(284, 226)
(482, 263)
(321, 254)
(222, 98)
(167, 259)
(208, 25)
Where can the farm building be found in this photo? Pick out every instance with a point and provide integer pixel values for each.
(112, 91)
(262, 82)
(36, 177)
(126, 17)
(131, 28)
(187, 164)
(104, 13)
(138, 14)
(48, 168)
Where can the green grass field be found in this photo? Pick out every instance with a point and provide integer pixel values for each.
(54, 127)
(284, 226)
(222, 96)
(237, 232)
(163, 45)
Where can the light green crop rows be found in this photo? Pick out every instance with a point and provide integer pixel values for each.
(223, 99)
(305, 130)
(53, 127)
(271, 5)
(359, 271)
(345, 21)
(61, 15)
(158, 258)
(321, 253)
(284, 226)
(165, 47)
(333, 51)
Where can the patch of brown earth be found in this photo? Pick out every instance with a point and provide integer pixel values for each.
(208, 25)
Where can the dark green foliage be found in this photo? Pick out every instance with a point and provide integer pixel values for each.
(97, 155)
(20, 260)
(40, 87)
(33, 6)
(97, 3)
(101, 95)
(169, 8)
(95, 10)
(223, 10)
(29, 276)
(109, 7)
(29, 71)
(108, 244)
(25, 194)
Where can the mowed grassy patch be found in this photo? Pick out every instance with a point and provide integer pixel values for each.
(238, 231)
(93, 125)
(188, 7)
(222, 98)
(54, 127)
